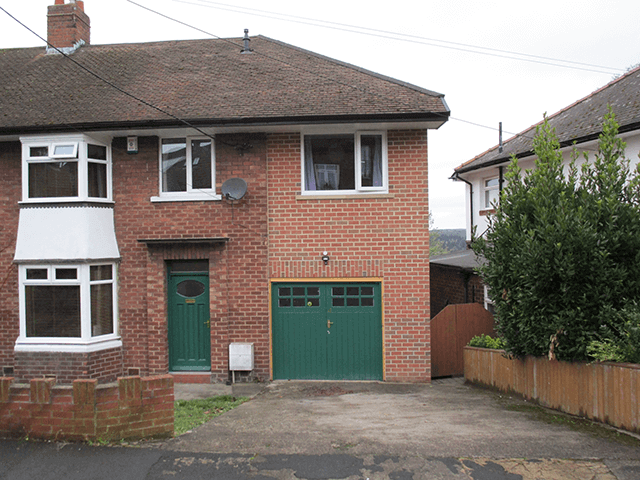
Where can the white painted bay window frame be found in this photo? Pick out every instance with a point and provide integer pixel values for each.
(86, 342)
(359, 188)
(79, 153)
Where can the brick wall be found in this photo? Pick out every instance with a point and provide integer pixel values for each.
(238, 269)
(452, 286)
(104, 365)
(381, 236)
(133, 408)
(67, 24)
(10, 195)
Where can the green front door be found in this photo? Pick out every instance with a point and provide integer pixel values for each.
(189, 329)
(327, 331)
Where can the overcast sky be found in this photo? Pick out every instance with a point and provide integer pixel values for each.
(432, 44)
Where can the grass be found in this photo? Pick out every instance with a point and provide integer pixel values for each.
(191, 413)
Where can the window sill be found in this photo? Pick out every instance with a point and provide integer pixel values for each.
(57, 345)
(187, 197)
(342, 196)
(484, 213)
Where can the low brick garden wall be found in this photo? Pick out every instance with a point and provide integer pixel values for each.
(132, 408)
(607, 392)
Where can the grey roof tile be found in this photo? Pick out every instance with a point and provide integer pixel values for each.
(579, 122)
(202, 81)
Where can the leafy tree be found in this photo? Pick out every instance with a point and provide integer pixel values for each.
(563, 248)
(436, 245)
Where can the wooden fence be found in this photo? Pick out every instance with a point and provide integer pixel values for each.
(451, 330)
(607, 392)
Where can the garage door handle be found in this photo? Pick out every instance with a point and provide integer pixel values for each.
(329, 324)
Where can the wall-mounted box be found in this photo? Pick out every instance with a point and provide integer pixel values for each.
(240, 356)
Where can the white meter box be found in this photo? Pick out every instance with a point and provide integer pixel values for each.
(241, 356)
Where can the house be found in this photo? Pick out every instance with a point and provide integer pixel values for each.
(580, 123)
(163, 202)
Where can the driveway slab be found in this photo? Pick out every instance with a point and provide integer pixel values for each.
(444, 419)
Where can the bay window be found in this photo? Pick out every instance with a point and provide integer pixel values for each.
(345, 163)
(72, 168)
(67, 304)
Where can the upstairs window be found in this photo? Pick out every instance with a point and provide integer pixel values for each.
(187, 169)
(491, 192)
(77, 169)
(345, 163)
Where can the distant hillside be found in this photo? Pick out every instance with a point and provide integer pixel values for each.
(451, 239)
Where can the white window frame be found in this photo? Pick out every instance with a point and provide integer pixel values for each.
(79, 155)
(486, 205)
(359, 189)
(488, 304)
(86, 342)
(191, 194)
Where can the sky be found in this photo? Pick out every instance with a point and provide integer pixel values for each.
(495, 61)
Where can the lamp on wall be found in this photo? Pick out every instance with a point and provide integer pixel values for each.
(325, 257)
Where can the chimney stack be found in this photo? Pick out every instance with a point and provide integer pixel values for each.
(68, 27)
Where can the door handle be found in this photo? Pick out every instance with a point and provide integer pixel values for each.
(208, 323)
(329, 323)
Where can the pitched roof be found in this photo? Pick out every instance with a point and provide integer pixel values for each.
(464, 259)
(207, 82)
(579, 122)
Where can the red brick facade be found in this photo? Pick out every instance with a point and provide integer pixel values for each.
(272, 233)
(10, 195)
(383, 236)
(237, 269)
(104, 365)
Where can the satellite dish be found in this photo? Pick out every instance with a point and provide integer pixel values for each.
(234, 189)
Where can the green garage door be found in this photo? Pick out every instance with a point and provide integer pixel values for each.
(327, 331)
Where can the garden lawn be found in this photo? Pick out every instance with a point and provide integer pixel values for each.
(191, 413)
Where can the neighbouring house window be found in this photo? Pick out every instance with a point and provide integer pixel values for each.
(491, 192)
(65, 169)
(68, 302)
(187, 167)
(488, 304)
(345, 163)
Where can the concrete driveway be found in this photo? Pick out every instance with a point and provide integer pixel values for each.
(446, 420)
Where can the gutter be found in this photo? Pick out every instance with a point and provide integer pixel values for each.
(527, 153)
(229, 122)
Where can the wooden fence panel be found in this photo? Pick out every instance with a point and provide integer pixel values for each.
(451, 331)
(606, 392)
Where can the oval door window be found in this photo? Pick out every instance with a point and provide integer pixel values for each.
(190, 288)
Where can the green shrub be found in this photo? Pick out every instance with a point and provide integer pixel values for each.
(485, 341)
(563, 249)
(621, 344)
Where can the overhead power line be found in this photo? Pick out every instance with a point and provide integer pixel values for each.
(183, 121)
(465, 47)
(109, 83)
